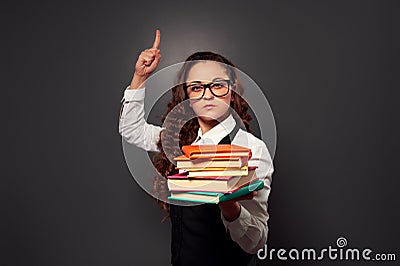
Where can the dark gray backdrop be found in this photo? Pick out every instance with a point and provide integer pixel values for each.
(328, 69)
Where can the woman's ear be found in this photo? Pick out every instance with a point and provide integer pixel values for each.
(232, 96)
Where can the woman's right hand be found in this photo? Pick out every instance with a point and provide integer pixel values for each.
(147, 62)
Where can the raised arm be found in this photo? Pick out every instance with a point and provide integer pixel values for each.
(132, 125)
(147, 62)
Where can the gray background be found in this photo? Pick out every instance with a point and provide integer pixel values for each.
(328, 70)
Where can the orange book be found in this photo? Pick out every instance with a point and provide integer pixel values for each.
(215, 151)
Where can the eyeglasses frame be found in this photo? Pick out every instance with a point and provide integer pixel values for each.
(208, 85)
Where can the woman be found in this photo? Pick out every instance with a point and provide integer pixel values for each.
(231, 232)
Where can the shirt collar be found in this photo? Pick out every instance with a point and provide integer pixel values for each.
(217, 133)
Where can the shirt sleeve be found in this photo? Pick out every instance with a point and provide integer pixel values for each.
(250, 229)
(132, 126)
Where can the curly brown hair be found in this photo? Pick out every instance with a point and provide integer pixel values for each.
(185, 124)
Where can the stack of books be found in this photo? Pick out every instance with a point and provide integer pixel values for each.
(213, 174)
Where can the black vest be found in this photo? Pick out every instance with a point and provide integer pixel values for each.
(199, 237)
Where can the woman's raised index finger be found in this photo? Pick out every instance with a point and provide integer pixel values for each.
(157, 39)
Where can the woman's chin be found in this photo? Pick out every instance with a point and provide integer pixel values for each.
(212, 117)
(207, 117)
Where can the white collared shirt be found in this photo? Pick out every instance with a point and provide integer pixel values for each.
(250, 229)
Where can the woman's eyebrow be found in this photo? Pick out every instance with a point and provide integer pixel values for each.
(214, 79)
(194, 81)
(219, 78)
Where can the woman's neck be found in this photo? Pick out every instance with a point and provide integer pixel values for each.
(206, 125)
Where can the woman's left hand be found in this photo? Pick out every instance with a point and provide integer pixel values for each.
(231, 208)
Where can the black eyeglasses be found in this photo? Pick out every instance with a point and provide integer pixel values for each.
(218, 88)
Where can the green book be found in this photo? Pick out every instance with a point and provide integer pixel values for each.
(216, 197)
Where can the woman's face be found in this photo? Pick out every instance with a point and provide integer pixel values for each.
(209, 107)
